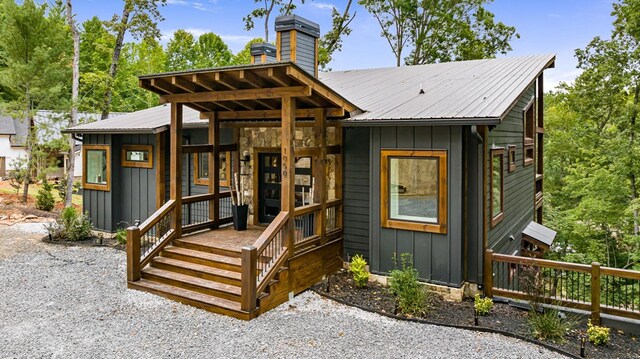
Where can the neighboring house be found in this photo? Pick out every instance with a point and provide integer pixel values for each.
(440, 161)
(13, 134)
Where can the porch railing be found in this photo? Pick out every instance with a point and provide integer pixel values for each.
(588, 287)
(147, 240)
(195, 211)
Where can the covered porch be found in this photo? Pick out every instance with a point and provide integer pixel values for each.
(293, 188)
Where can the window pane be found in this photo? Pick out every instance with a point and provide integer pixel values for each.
(97, 166)
(203, 165)
(137, 156)
(496, 185)
(413, 189)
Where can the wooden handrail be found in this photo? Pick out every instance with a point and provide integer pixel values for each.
(157, 216)
(310, 208)
(624, 273)
(272, 229)
(198, 198)
(545, 263)
(334, 202)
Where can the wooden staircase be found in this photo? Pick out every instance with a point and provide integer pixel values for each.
(207, 277)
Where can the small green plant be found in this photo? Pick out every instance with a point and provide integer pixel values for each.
(359, 269)
(482, 305)
(598, 335)
(44, 198)
(121, 236)
(548, 325)
(71, 225)
(411, 297)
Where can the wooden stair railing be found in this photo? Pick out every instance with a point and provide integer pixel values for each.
(262, 261)
(146, 241)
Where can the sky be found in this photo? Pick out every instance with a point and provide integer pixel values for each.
(545, 26)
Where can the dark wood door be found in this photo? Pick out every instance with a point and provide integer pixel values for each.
(269, 176)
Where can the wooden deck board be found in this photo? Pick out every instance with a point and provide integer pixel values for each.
(225, 237)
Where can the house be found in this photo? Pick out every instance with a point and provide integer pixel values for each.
(440, 161)
(13, 135)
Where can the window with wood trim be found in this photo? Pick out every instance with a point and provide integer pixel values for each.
(201, 169)
(96, 167)
(413, 190)
(496, 181)
(529, 132)
(140, 156)
(511, 155)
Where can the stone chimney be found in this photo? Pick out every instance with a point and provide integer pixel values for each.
(297, 41)
(263, 53)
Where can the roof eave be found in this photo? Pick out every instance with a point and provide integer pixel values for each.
(420, 122)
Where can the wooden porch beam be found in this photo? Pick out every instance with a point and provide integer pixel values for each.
(214, 170)
(288, 165)
(160, 169)
(225, 80)
(197, 148)
(319, 172)
(193, 87)
(239, 95)
(176, 166)
(200, 80)
(323, 91)
(331, 112)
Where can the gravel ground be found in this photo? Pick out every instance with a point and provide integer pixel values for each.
(61, 302)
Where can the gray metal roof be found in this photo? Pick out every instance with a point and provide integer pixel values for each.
(540, 233)
(6, 126)
(478, 89)
(22, 131)
(151, 120)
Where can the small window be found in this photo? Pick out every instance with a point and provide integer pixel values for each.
(96, 167)
(201, 169)
(140, 156)
(414, 190)
(496, 200)
(512, 158)
(528, 132)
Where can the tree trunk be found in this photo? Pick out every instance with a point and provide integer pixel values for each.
(113, 70)
(30, 141)
(74, 104)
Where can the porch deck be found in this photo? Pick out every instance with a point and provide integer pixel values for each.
(225, 237)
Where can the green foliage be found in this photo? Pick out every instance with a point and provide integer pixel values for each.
(71, 225)
(18, 175)
(243, 57)
(548, 325)
(359, 269)
(482, 305)
(44, 198)
(598, 335)
(121, 235)
(331, 41)
(410, 294)
(264, 10)
(448, 30)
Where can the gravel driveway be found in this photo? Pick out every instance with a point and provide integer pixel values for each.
(66, 302)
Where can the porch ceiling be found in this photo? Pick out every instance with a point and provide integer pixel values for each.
(247, 92)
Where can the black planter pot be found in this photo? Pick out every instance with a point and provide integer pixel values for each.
(240, 214)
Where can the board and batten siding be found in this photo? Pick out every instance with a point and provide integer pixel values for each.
(519, 188)
(356, 192)
(99, 204)
(437, 257)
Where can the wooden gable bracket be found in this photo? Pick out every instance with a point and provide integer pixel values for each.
(331, 112)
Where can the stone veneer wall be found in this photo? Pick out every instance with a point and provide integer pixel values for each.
(251, 138)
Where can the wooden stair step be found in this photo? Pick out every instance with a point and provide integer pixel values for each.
(195, 244)
(204, 258)
(196, 299)
(226, 291)
(197, 270)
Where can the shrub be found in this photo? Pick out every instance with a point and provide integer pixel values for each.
(548, 325)
(359, 269)
(71, 225)
(44, 198)
(410, 294)
(482, 305)
(598, 335)
(121, 236)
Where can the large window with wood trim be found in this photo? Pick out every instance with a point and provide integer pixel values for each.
(96, 166)
(529, 130)
(140, 156)
(496, 194)
(201, 169)
(413, 190)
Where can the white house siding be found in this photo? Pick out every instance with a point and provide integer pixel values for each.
(10, 153)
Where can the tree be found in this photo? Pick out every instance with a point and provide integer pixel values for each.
(440, 30)
(332, 40)
(264, 11)
(181, 51)
(96, 47)
(212, 51)
(139, 18)
(33, 44)
(243, 57)
(73, 118)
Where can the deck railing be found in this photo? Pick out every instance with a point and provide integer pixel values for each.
(147, 240)
(588, 287)
(195, 211)
(333, 223)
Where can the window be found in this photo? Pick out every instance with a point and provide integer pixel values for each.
(201, 169)
(496, 200)
(529, 129)
(512, 157)
(140, 156)
(413, 190)
(96, 167)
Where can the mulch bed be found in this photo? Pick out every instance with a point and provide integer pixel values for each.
(503, 317)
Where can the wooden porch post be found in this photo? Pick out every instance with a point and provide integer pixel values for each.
(160, 169)
(288, 196)
(214, 170)
(176, 166)
(320, 173)
(338, 179)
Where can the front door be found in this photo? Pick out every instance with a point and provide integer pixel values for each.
(269, 169)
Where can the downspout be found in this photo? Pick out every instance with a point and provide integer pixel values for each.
(75, 137)
(474, 131)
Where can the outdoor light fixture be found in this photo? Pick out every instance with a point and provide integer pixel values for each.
(475, 317)
(583, 342)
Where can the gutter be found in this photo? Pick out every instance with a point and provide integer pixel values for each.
(421, 122)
